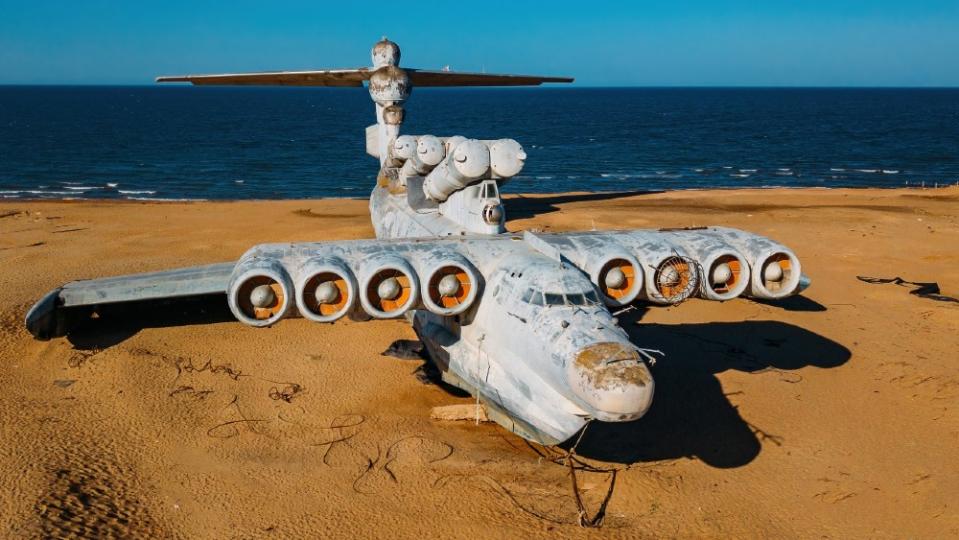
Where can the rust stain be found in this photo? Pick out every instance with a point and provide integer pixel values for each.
(608, 365)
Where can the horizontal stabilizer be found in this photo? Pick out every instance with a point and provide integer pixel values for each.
(328, 77)
(355, 77)
(455, 78)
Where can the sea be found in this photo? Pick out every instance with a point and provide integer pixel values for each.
(203, 143)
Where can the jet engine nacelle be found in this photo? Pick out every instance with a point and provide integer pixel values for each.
(618, 275)
(389, 286)
(673, 278)
(775, 270)
(260, 291)
(451, 284)
(723, 270)
(466, 162)
(776, 273)
(325, 289)
(725, 274)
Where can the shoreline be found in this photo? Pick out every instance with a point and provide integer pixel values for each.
(506, 195)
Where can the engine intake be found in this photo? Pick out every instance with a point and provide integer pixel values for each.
(619, 277)
(451, 287)
(325, 289)
(390, 288)
(775, 275)
(726, 276)
(674, 280)
(259, 292)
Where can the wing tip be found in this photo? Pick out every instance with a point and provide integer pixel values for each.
(172, 78)
(42, 320)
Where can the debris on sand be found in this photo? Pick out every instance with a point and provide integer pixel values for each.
(468, 411)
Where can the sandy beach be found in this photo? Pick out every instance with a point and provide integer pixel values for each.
(833, 414)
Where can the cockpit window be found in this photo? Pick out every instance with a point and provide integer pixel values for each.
(537, 298)
(528, 296)
(488, 190)
(591, 297)
(554, 299)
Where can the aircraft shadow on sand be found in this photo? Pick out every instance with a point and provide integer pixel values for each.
(521, 207)
(691, 416)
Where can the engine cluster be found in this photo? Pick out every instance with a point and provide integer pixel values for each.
(453, 163)
(263, 290)
(670, 266)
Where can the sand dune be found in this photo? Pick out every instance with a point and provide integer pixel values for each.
(832, 414)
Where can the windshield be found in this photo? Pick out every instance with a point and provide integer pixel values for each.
(538, 298)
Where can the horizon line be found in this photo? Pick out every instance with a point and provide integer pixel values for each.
(544, 87)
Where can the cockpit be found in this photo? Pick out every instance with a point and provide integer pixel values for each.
(539, 282)
(540, 298)
(488, 190)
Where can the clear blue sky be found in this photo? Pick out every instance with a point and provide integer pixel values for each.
(693, 42)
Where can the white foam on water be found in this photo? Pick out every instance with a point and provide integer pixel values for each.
(890, 171)
(34, 192)
(784, 169)
(748, 170)
(238, 181)
(544, 177)
(112, 184)
(137, 192)
(834, 169)
(737, 175)
(698, 170)
(81, 188)
(870, 171)
(784, 173)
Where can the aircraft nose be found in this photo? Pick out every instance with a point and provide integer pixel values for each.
(612, 379)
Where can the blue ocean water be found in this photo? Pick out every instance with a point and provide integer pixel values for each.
(264, 143)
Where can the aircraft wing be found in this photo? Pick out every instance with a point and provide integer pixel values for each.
(49, 317)
(384, 279)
